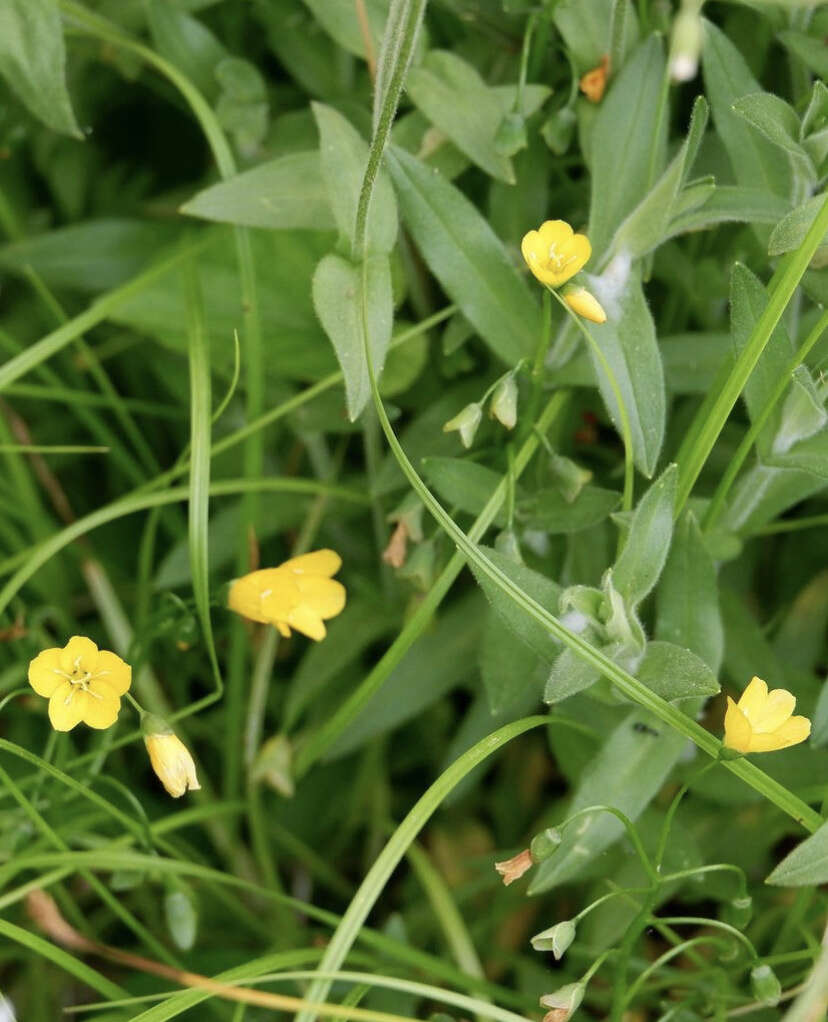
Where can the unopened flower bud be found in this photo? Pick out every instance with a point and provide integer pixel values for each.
(766, 987)
(556, 939)
(569, 477)
(686, 43)
(563, 1003)
(594, 82)
(738, 912)
(273, 765)
(514, 868)
(395, 553)
(544, 844)
(504, 402)
(558, 129)
(465, 423)
(584, 303)
(169, 756)
(506, 543)
(510, 137)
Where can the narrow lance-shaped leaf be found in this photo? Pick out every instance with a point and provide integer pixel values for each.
(33, 60)
(355, 302)
(467, 258)
(648, 541)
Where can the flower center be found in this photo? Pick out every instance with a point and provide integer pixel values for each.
(558, 261)
(80, 679)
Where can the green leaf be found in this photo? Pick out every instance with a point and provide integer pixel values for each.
(340, 20)
(33, 61)
(688, 596)
(748, 299)
(568, 675)
(442, 658)
(803, 414)
(538, 586)
(648, 224)
(551, 511)
(730, 203)
(343, 155)
(285, 193)
(467, 258)
(509, 668)
(812, 52)
(801, 636)
(186, 43)
(756, 162)
(778, 122)
(93, 256)
(675, 672)
(790, 232)
(806, 865)
(464, 484)
(627, 133)
(628, 343)
(626, 773)
(355, 302)
(584, 25)
(453, 96)
(648, 541)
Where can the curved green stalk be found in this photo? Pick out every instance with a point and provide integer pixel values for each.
(376, 878)
(713, 414)
(734, 465)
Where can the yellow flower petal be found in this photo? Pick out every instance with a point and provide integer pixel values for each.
(245, 599)
(100, 705)
(114, 671)
(79, 651)
(43, 672)
(320, 562)
(325, 595)
(737, 729)
(753, 699)
(282, 629)
(792, 732)
(305, 620)
(778, 707)
(67, 706)
(555, 232)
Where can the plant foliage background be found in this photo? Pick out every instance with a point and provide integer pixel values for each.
(212, 211)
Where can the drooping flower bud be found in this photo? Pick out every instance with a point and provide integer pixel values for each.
(465, 423)
(545, 844)
(558, 129)
(556, 939)
(169, 756)
(765, 985)
(686, 42)
(738, 912)
(510, 137)
(563, 1003)
(584, 303)
(273, 765)
(504, 402)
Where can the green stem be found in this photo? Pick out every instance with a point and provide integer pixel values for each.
(714, 412)
(717, 503)
(377, 877)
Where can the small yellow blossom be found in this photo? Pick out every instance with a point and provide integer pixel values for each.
(761, 721)
(299, 594)
(594, 82)
(169, 756)
(554, 253)
(584, 303)
(81, 682)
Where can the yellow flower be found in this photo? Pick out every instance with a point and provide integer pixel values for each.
(761, 721)
(298, 594)
(553, 253)
(169, 756)
(584, 303)
(81, 682)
